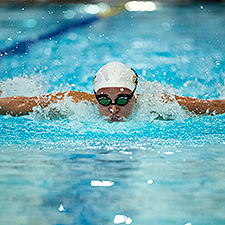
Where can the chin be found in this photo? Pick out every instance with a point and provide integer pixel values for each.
(115, 118)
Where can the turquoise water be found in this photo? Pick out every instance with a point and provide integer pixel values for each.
(67, 165)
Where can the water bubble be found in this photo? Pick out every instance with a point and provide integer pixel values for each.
(31, 23)
(56, 62)
(69, 14)
(166, 26)
(72, 36)
(48, 51)
(138, 44)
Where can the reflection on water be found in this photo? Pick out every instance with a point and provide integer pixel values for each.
(81, 187)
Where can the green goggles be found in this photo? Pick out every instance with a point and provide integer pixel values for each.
(120, 100)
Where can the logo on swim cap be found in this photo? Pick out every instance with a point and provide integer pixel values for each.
(115, 74)
(134, 80)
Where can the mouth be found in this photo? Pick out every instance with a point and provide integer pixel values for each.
(114, 118)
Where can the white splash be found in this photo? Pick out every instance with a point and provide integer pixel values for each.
(150, 181)
(155, 101)
(122, 219)
(61, 208)
(23, 86)
(98, 183)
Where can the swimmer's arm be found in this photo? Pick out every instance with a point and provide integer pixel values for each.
(78, 96)
(202, 107)
(20, 105)
(17, 105)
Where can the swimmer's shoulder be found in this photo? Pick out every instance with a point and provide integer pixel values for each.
(78, 96)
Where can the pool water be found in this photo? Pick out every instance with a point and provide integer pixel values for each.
(67, 165)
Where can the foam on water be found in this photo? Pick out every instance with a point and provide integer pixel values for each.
(155, 101)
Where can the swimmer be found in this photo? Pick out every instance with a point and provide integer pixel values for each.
(115, 85)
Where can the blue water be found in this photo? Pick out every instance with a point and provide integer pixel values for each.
(67, 165)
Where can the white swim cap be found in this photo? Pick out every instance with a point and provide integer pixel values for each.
(115, 74)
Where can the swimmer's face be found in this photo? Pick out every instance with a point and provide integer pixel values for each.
(115, 112)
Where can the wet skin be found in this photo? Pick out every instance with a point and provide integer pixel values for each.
(115, 112)
(21, 105)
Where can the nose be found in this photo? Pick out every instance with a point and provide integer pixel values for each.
(113, 109)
